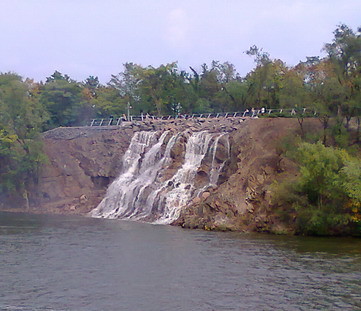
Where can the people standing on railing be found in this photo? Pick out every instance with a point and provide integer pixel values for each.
(249, 112)
(252, 112)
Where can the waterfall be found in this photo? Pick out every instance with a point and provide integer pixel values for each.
(181, 186)
(139, 168)
(216, 167)
(141, 193)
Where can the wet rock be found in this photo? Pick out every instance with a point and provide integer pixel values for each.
(196, 200)
(178, 149)
(83, 199)
(205, 195)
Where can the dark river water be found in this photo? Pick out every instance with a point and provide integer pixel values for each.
(75, 263)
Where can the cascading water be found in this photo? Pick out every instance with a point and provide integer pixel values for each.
(140, 193)
(181, 186)
(139, 168)
(217, 165)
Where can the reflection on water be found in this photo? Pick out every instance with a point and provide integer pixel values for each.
(75, 263)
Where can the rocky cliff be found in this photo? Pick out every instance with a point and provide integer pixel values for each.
(243, 202)
(83, 161)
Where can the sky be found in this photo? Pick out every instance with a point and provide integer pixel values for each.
(96, 37)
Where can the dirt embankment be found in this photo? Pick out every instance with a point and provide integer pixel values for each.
(83, 161)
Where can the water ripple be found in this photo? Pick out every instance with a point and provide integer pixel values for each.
(64, 263)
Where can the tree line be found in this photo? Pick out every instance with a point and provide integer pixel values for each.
(330, 85)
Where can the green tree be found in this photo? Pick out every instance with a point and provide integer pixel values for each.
(21, 118)
(91, 86)
(108, 102)
(220, 86)
(327, 193)
(265, 80)
(127, 84)
(63, 99)
(234, 94)
(150, 89)
(293, 93)
(345, 56)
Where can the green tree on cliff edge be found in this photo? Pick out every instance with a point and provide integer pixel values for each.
(21, 120)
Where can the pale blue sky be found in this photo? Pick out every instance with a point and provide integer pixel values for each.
(95, 37)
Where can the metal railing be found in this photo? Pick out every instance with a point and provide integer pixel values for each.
(253, 113)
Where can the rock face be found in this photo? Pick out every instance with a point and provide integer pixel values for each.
(242, 202)
(83, 161)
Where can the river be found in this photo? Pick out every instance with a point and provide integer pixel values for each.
(74, 263)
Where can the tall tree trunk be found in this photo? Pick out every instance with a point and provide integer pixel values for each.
(26, 199)
(324, 120)
(347, 125)
(300, 122)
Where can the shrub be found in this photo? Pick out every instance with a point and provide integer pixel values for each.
(327, 194)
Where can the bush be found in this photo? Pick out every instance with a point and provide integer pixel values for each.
(327, 194)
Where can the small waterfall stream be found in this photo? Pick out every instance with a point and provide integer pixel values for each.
(141, 193)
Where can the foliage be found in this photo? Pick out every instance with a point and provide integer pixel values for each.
(21, 119)
(329, 86)
(327, 194)
(64, 100)
(345, 56)
(108, 102)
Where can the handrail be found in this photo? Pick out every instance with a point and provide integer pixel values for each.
(253, 113)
